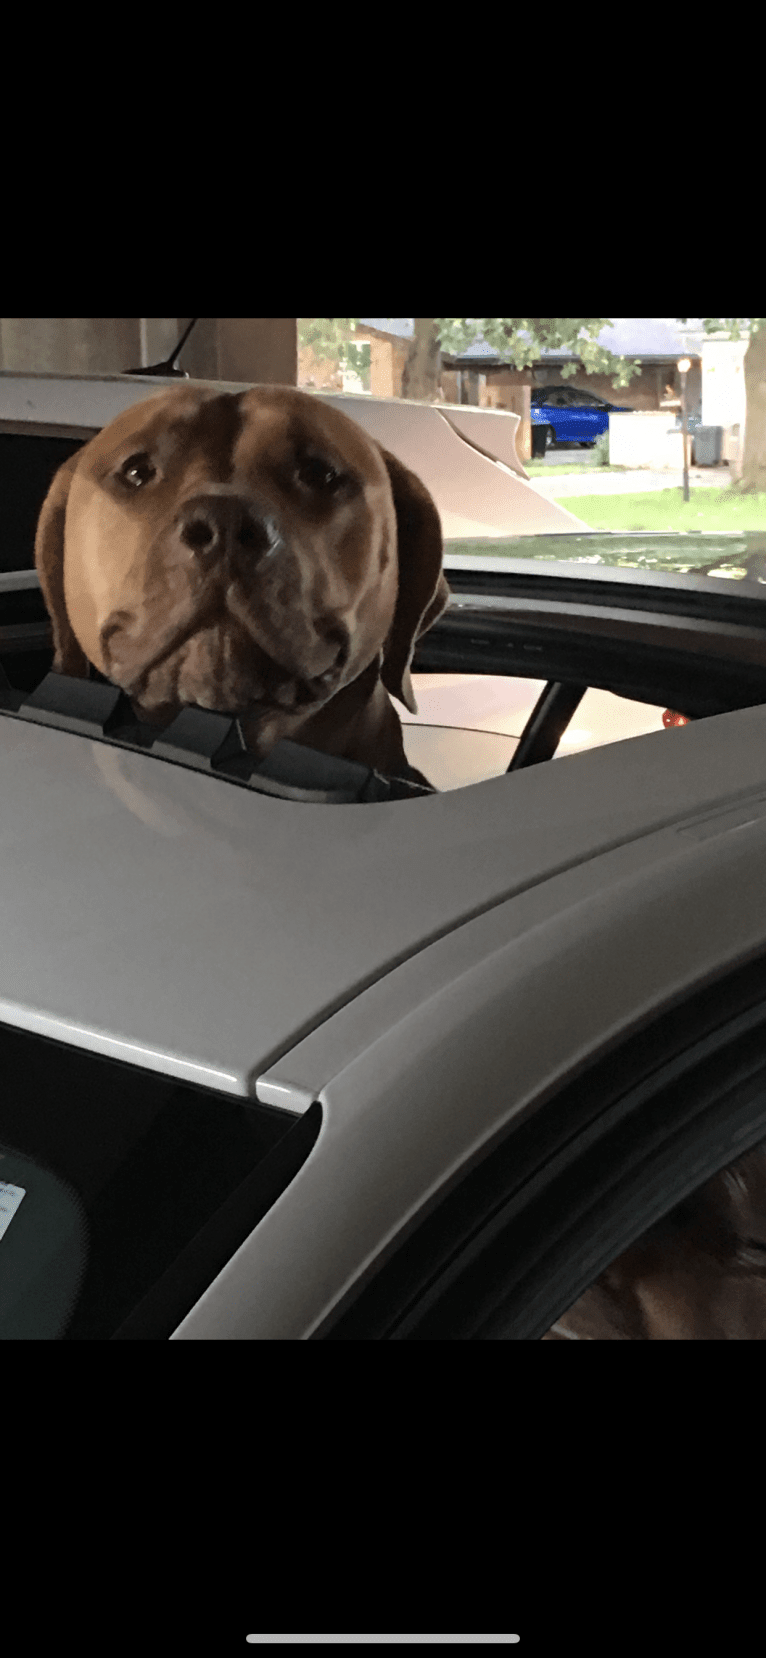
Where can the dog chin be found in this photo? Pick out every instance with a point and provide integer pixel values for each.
(160, 714)
(259, 698)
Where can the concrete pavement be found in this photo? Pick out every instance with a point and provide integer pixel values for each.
(557, 484)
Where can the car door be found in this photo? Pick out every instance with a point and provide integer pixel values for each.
(571, 423)
(589, 418)
(557, 412)
(585, 419)
(632, 1206)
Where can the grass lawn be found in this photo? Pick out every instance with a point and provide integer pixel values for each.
(666, 509)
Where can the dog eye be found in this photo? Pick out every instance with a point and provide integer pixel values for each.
(137, 470)
(318, 474)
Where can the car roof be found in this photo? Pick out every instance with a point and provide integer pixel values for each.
(466, 457)
(178, 921)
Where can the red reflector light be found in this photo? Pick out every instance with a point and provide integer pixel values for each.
(669, 718)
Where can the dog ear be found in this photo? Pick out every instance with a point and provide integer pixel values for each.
(423, 591)
(68, 655)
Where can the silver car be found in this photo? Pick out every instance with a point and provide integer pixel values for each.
(291, 1051)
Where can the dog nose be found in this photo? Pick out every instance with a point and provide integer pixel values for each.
(225, 526)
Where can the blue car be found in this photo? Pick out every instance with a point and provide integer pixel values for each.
(564, 414)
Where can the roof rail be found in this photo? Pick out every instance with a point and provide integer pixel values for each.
(202, 741)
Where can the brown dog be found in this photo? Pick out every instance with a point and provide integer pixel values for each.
(699, 1275)
(253, 553)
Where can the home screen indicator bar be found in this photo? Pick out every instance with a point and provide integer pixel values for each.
(382, 1640)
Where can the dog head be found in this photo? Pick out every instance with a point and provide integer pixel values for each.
(250, 552)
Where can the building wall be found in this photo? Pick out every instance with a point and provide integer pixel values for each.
(723, 382)
(258, 349)
(317, 373)
(72, 345)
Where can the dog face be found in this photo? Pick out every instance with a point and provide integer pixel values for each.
(250, 553)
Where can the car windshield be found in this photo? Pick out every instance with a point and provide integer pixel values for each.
(606, 451)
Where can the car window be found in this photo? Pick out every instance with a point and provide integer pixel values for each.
(697, 1275)
(27, 467)
(468, 726)
(107, 1174)
(573, 397)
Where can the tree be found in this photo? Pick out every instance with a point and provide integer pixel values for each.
(332, 340)
(517, 340)
(520, 340)
(752, 474)
(421, 375)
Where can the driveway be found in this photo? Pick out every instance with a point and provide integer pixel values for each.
(559, 483)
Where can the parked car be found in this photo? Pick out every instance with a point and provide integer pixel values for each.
(565, 414)
(291, 1053)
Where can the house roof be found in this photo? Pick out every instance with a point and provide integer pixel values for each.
(653, 339)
